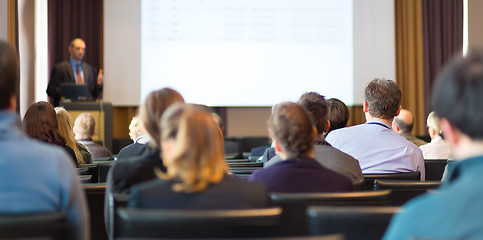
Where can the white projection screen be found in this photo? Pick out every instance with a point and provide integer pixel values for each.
(247, 52)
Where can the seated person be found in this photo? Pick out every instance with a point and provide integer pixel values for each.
(293, 134)
(196, 177)
(65, 128)
(140, 141)
(325, 154)
(84, 130)
(403, 124)
(36, 176)
(377, 147)
(338, 114)
(455, 210)
(40, 122)
(438, 148)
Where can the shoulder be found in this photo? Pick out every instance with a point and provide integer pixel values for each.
(62, 65)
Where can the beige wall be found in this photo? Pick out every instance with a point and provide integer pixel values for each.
(247, 121)
(475, 18)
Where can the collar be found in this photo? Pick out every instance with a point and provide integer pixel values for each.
(141, 139)
(467, 165)
(10, 124)
(379, 122)
(320, 141)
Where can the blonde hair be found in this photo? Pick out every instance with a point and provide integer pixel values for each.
(65, 129)
(153, 108)
(197, 157)
(433, 122)
(134, 128)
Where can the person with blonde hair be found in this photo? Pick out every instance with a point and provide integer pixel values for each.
(196, 176)
(140, 140)
(438, 148)
(82, 154)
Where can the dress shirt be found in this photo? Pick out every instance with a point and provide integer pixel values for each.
(74, 68)
(454, 212)
(39, 177)
(378, 148)
(438, 148)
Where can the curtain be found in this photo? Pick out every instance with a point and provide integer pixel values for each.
(12, 33)
(443, 38)
(409, 59)
(69, 19)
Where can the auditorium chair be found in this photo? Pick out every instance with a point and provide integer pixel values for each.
(95, 200)
(93, 170)
(243, 160)
(159, 223)
(434, 169)
(243, 170)
(85, 178)
(115, 201)
(33, 226)
(403, 191)
(370, 178)
(294, 205)
(103, 169)
(355, 223)
(358, 185)
(245, 164)
(325, 237)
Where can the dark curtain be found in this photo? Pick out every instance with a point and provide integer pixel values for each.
(443, 38)
(69, 19)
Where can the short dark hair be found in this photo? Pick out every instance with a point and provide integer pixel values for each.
(9, 74)
(317, 108)
(383, 98)
(338, 114)
(291, 126)
(457, 95)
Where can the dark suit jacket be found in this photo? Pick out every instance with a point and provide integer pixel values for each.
(63, 73)
(230, 193)
(301, 175)
(132, 150)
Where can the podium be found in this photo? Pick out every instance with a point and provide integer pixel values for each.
(102, 112)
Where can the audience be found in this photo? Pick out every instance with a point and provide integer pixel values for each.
(328, 156)
(36, 177)
(403, 124)
(40, 122)
(377, 147)
(454, 212)
(338, 114)
(84, 130)
(64, 120)
(196, 177)
(140, 141)
(438, 148)
(293, 134)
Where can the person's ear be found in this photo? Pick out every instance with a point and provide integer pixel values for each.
(13, 103)
(315, 132)
(449, 132)
(327, 126)
(399, 110)
(277, 147)
(365, 108)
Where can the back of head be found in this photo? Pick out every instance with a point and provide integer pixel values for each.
(433, 122)
(153, 108)
(40, 122)
(291, 127)
(197, 156)
(64, 122)
(405, 121)
(457, 95)
(383, 98)
(317, 108)
(9, 74)
(338, 114)
(84, 126)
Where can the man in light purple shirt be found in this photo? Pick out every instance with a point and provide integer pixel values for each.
(377, 147)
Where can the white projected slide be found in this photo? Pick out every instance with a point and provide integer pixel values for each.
(247, 52)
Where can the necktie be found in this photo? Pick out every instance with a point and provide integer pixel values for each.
(80, 81)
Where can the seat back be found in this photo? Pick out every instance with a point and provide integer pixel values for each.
(294, 205)
(434, 169)
(370, 178)
(93, 170)
(103, 171)
(116, 200)
(34, 226)
(233, 165)
(403, 191)
(95, 200)
(157, 223)
(358, 185)
(354, 222)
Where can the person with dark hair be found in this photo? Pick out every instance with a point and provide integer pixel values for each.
(377, 147)
(36, 176)
(328, 156)
(338, 114)
(40, 122)
(455, 210)
(293, 134)
(74, 70)
(403, 124)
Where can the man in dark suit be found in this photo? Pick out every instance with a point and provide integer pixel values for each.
(74, 70)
